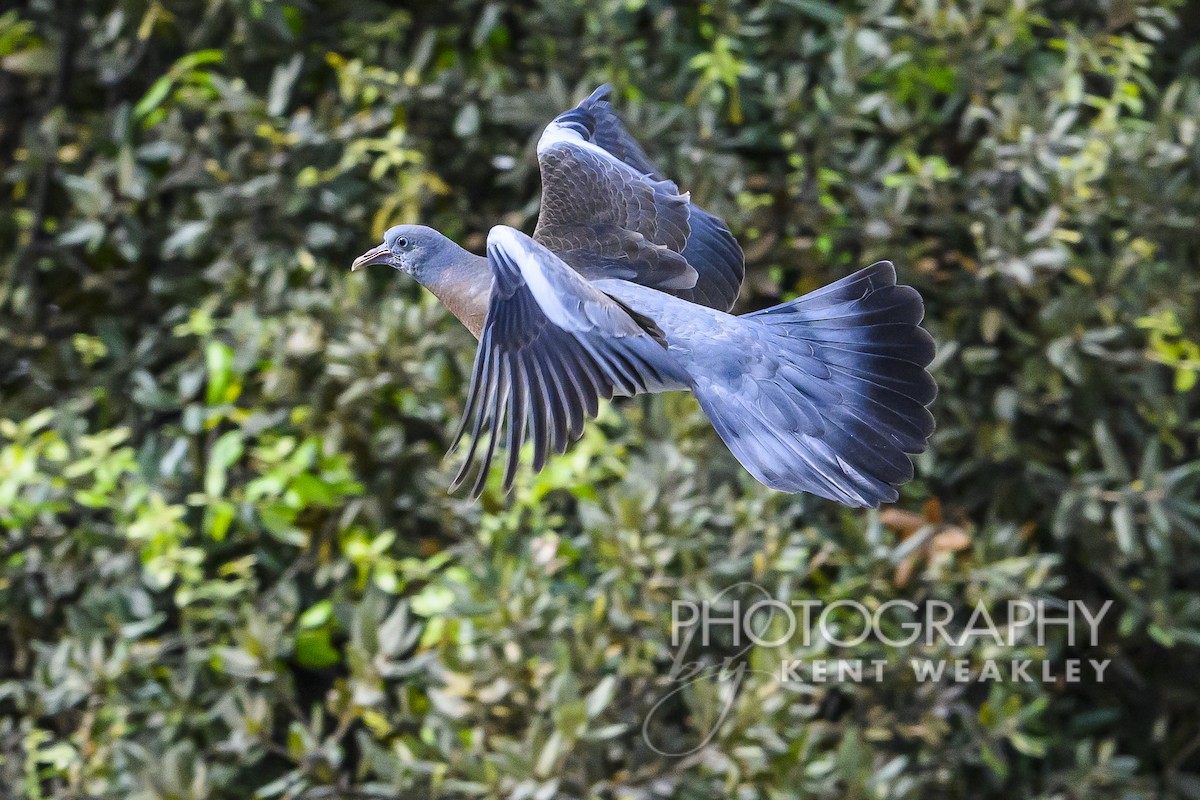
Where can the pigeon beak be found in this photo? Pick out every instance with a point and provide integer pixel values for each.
(376, 255)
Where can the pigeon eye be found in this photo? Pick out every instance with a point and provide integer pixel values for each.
(402, 242)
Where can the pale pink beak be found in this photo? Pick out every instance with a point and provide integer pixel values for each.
(376, 255)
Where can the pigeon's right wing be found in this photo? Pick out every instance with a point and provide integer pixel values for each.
(609, 213)
(552, 345)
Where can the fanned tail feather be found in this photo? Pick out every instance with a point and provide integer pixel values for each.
(835, 397)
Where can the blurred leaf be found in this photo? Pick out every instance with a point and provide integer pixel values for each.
(315, 650)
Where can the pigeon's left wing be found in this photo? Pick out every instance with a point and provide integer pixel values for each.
(609, 213)
(606, 218)
(552, 345)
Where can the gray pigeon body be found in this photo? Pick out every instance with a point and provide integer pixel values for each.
(624, 289)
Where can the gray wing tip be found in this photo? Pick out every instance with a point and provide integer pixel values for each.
(601, 92)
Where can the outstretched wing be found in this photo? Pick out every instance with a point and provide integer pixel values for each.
(551, 347)
(609, 213)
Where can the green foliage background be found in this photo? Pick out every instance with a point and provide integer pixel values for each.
(229, 567)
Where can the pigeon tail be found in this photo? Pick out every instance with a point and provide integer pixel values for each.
(827, 393)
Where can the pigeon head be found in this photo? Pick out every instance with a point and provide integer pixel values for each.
(416, 250)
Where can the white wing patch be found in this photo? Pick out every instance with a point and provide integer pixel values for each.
(547, 299)
(551, 348)
(556, 134)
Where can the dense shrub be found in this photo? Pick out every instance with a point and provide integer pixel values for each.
(229, 566)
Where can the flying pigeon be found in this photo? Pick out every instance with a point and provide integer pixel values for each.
(625, 288)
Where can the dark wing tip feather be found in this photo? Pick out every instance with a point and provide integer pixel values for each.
(718, 259)
(602, 91)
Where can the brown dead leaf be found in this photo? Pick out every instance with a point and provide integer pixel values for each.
(906, 523)
(951, 539)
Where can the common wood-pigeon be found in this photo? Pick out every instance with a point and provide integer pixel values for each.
(625, 287)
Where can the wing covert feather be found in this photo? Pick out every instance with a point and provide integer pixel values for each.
(608, 212)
